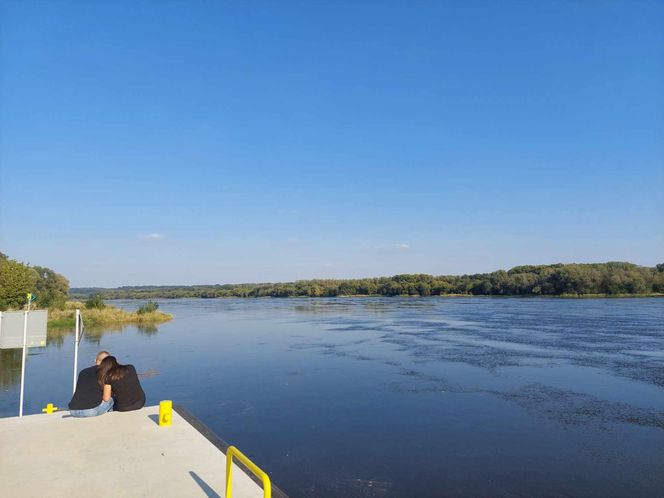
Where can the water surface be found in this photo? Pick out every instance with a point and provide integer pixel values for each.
(403, 397)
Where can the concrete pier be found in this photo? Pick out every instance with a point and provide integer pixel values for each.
(116, 454)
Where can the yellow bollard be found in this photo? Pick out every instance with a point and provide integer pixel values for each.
(165, 412)
(50, 408)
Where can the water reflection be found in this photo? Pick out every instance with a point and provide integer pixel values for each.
(10, 367)
(147, 329)
(93, 334)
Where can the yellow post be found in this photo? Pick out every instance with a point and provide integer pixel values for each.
(165, 412)
(229, 474)
(50, 408)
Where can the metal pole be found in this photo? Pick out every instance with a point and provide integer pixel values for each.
(78, 324)
(25, 341)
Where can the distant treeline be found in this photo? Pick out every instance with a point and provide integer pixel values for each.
(614, 278)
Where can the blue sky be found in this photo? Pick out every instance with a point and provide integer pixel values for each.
(201, 142)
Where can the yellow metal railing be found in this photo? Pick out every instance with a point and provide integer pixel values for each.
(231, 452)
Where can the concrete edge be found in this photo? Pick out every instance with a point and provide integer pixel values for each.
(222, 446)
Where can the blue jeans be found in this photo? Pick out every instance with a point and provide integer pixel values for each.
(104, 406)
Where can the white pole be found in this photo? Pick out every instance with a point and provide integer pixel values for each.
(78, 324)
(25, 341)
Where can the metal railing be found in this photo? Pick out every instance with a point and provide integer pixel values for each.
(231, 452)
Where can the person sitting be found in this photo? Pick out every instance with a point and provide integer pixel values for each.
(90, 399)
(122, 380)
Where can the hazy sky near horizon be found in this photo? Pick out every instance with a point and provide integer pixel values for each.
(201, 142)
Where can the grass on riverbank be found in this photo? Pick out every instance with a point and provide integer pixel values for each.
(109, 315)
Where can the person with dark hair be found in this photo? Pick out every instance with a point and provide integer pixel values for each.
(123, 381)
(91, 399)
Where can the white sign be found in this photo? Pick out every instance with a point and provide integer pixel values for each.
(11, 329)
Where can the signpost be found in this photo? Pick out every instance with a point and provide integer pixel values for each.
(31, 334)
(27, 329)
(11, 329)
(79, 334)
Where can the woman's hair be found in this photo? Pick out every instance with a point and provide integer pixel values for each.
(109, 369)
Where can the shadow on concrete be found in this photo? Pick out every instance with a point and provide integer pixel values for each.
(154, 418)
(209, 492)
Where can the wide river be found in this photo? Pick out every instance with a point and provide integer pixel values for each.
(402, 397)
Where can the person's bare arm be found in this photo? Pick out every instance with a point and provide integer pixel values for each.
(107, 393)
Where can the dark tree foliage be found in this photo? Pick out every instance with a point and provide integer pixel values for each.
(51, 288)
(95, 301)
(612, 278)
(17, 279)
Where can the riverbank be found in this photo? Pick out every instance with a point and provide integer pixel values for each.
(443, 296)
(109, 315)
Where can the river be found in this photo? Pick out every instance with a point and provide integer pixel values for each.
(402, 397)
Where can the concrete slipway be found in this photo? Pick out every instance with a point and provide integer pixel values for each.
(117, 454)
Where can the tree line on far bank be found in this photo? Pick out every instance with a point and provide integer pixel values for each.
(613, 278)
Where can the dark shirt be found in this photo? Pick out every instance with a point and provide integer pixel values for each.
(127, 391)
(88, 392)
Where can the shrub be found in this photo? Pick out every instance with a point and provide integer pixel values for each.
(148, 307)
(95, 301)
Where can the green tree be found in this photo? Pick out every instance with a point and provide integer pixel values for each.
(52, 288)
(16, 280)
(315, 291)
